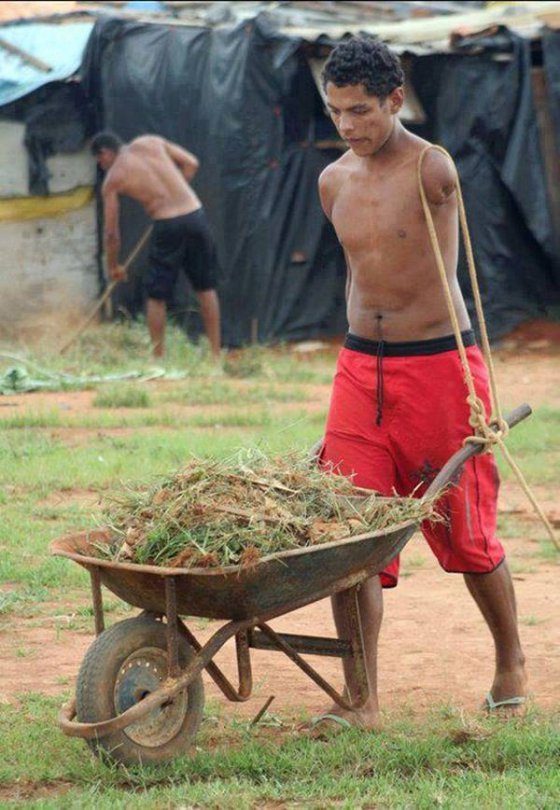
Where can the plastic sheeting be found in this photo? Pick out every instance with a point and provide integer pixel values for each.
(59, 46)
(222, 94)
(228, 95)
(551, 64)
(482, 110)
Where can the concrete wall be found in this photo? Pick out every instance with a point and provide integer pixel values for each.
(67, 171)
(48, 274)
(48, 271)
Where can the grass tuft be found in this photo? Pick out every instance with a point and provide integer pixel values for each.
(119, 396)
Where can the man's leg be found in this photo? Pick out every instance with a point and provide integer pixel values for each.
(495, 597)
(156, 313)
(210, 311)
(370, 604)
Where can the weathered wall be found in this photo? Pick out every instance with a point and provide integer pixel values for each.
(48, 272)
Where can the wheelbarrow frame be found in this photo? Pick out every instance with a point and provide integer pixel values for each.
(253, 630)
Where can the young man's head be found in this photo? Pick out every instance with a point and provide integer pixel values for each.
(105, 146)
(363, 81)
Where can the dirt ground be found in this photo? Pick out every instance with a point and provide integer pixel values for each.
(434, 646)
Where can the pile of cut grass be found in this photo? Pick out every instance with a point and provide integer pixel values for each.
(214, 513)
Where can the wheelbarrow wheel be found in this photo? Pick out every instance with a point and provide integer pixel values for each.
(125, 664)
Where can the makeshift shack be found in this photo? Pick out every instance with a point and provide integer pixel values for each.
(48, 238)
(244, 98)
(241, 90)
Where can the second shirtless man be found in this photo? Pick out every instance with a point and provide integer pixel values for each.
(398, 409)
(157, 173)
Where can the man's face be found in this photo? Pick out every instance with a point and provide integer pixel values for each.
(362, 121)
(105, 158)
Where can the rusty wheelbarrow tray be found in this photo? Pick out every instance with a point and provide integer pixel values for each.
(139, 693)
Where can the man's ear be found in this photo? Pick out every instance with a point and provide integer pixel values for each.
(396, 100)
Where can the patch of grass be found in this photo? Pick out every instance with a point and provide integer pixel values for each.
(248, 363)
(535, 445)
(446, 760)
(234, 418)
(105, 420)
(23, 601)
(206, 392)
(520, 566)
(122, 396)
(548, 552)
(531, 621)
(413, 562)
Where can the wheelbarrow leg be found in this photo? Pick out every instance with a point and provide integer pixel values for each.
(350, 649)
(97, 599)
(172, 631)
(244, 665)
(356, 660)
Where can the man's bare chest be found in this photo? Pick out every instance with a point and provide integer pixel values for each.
(371, 214)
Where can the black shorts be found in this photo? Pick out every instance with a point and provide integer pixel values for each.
(186, 243)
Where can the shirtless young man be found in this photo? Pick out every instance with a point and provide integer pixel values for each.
(398, 408)
(157, 173)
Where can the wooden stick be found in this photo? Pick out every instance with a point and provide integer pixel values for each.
(27, 57)
(86, 322)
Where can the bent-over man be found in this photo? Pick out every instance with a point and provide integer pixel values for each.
(398, 408)
(157, 173)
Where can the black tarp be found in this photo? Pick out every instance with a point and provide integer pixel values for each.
(551, 64)
(221, 93)
(480, 107)
(228, 96)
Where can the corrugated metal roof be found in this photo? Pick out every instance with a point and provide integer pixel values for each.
(423, 31)
(434, 33)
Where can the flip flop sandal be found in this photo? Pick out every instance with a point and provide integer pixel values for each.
(491, 705)
(335, 718)
(326, 726)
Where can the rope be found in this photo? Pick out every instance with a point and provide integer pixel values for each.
(492, 431)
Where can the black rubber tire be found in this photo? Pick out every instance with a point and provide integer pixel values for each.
(98, 682)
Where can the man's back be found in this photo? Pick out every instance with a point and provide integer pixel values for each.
(153, 172)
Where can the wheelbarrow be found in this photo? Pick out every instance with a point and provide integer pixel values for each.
(139, 693)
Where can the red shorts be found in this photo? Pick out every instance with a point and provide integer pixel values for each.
(398, 412)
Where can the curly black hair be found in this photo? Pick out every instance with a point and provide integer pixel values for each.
(367, 61)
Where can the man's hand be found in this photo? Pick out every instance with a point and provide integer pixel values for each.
(117, 273)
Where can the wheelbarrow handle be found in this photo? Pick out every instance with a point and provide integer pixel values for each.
(452, 467)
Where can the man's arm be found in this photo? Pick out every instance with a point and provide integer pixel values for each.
(112, 237)
(186, 161)
(439, 178)
(327, 192)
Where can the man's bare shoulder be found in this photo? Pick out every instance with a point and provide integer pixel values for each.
(146, 143)
(115, 176)
(331, 179)
(336, 171)
(439, 175)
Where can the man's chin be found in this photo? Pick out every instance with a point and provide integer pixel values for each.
(361, 148)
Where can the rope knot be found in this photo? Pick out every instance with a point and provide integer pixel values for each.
(500, 427)
(483, 431)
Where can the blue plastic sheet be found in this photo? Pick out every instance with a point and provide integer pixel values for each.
(59, 46)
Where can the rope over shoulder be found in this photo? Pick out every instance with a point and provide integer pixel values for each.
(492, 430)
